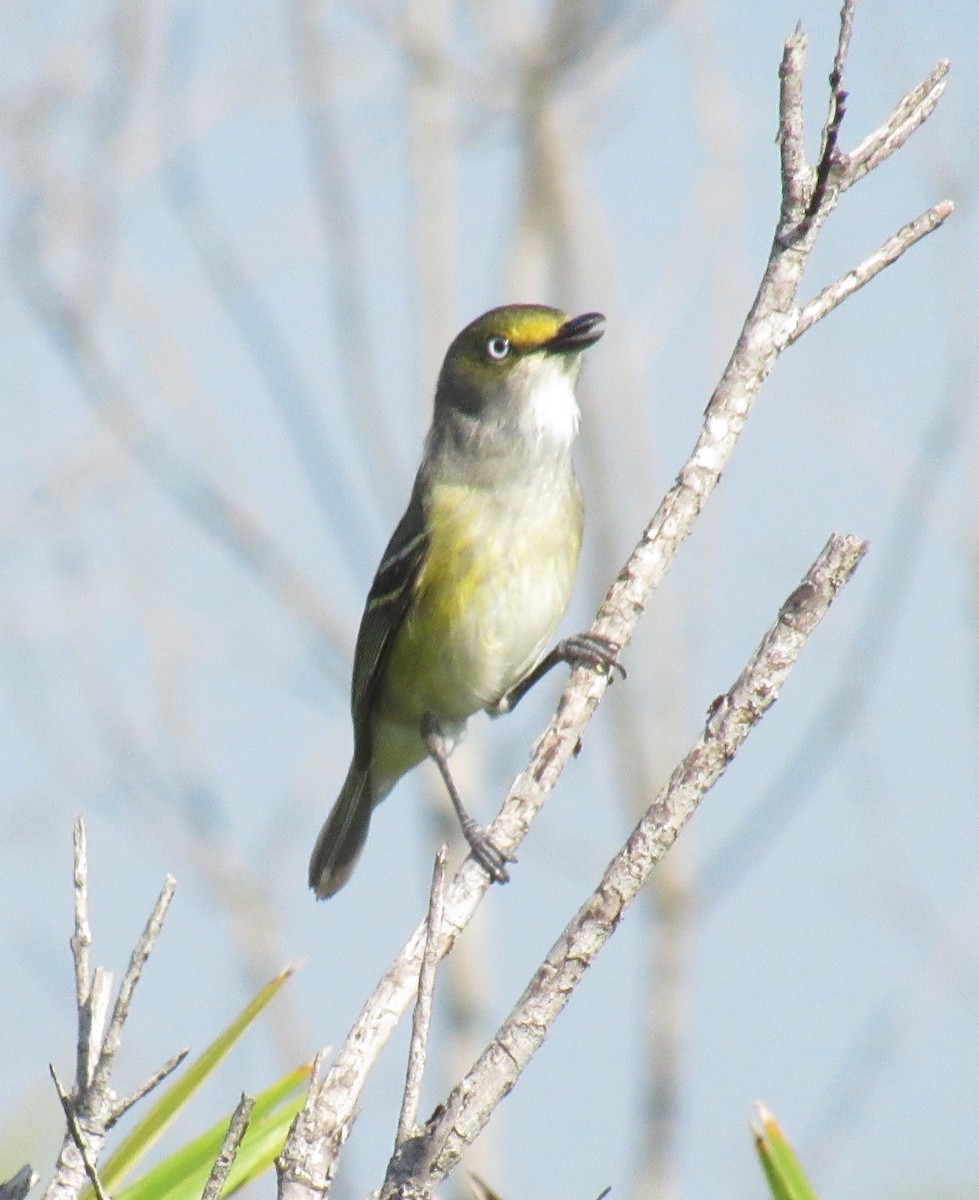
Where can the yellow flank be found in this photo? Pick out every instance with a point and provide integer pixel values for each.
(496, 582)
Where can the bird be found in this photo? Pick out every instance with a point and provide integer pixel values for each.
(477, 574)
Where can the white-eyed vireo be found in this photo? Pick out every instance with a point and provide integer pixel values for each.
(477, 574)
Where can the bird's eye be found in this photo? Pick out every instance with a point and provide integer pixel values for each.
(498, 347)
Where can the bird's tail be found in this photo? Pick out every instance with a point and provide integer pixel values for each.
(343, 835)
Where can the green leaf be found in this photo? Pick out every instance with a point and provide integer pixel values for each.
(784, 1172)
(183, 1174)
(150, 1129)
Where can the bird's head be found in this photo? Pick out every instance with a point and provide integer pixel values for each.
(511, 373)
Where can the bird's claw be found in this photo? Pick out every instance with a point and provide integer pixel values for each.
(487, 854)
(592, 650)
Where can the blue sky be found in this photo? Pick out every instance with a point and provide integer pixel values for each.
(194, 709)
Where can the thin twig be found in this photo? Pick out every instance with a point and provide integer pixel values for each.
(121, 1107)
(77, 1136)
(81, 939)
(95, 1020)
(915, 108)
(795, 171)
(830, 297)
(81, 942)
(137, 960)
(225, 1160)
(423, 1006)
(828, 157)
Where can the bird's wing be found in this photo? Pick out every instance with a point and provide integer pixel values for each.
(387, 604)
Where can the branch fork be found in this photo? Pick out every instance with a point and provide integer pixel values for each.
(92, 1107)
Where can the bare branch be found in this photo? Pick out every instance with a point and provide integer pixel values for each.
(123, 1106)
(791, 129)
(914, 109)
(137, 960)
(828, 156)
(730, 719)
(81, 941)
(423, 1007)
(906, 237)
(309, 1156)
(808, 196)
(225, 1160)
(92, 1022)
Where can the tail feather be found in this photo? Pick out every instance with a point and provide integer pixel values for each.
(343, 835)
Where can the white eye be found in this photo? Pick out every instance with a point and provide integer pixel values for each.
(498, 347)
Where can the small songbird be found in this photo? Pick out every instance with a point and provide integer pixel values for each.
(477, 574)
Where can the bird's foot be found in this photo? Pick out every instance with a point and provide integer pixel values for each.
(591, 650)
(486, 852)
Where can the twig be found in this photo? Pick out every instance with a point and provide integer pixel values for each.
(137, 960)
(17, 1186)
(795, 171)
(828, 157)
(423, 1006)
(89, 1000)
(94, 1018)
(225, 1160)
(807, 198)
(915, 108)
(124, 1105)
(729, 721)
(906, 237)
(77, 1136)
(81, 939)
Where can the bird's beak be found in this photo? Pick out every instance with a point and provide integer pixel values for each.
(578, 332)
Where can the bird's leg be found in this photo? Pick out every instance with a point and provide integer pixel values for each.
(486, 854)
(583, 649)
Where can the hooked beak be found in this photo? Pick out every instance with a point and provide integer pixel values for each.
(578, 332)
